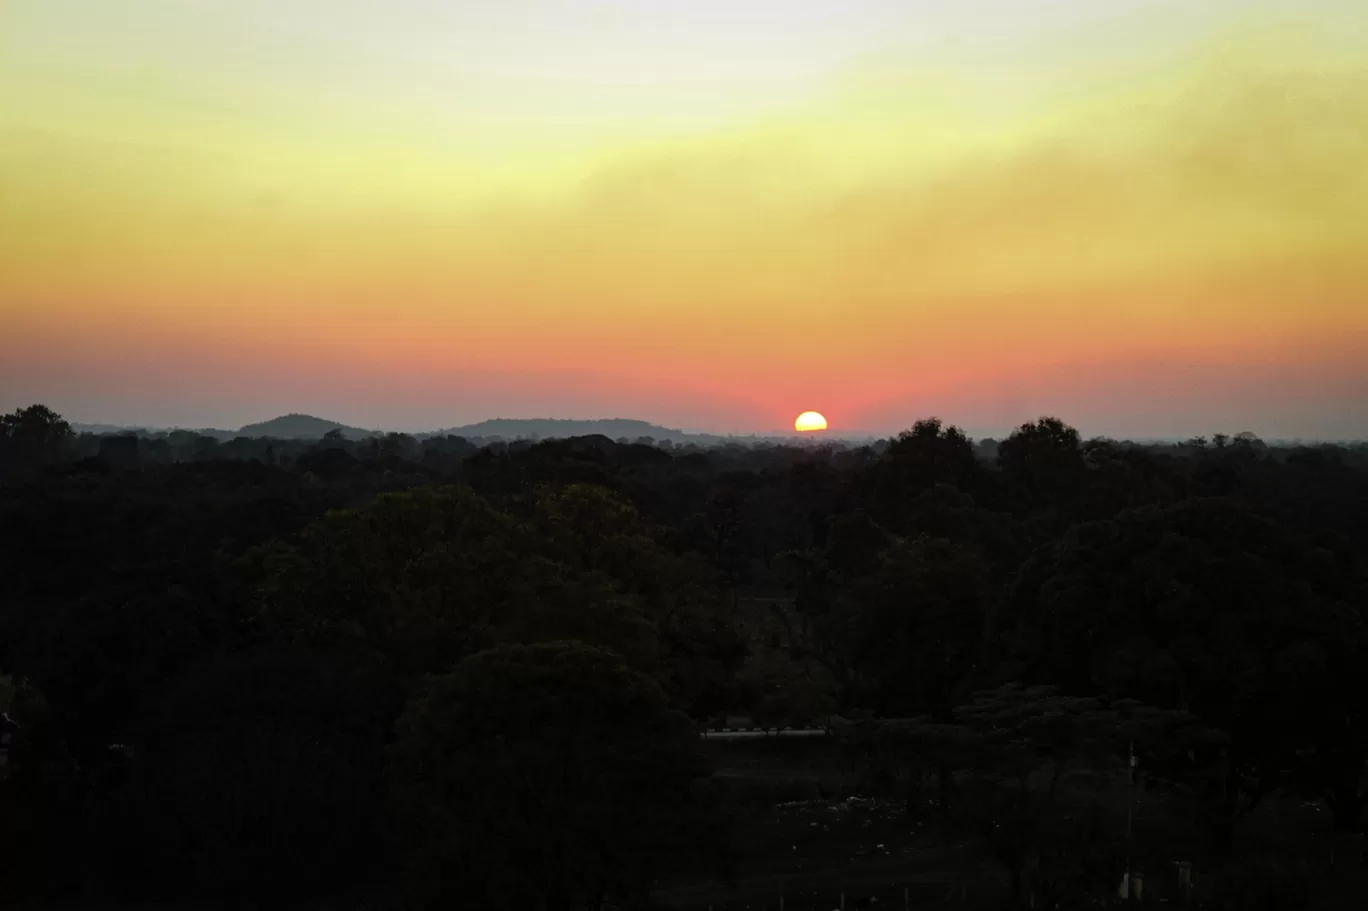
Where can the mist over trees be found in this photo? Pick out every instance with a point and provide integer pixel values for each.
(444, 671)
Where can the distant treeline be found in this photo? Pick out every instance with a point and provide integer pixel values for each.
(442, 452)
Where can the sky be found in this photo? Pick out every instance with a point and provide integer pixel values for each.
(1147, 217)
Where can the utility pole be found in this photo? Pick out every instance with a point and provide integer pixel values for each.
(1130, 807)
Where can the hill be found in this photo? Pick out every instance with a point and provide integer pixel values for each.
(308, 427)
(302, 427)
(547, 428)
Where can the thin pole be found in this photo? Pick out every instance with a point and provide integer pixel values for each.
(1130, 805)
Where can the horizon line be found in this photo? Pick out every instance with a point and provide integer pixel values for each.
(977, 435)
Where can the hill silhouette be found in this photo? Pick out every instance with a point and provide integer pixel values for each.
(309, 427)
(545, 428)
(301, 427)
(296, 426)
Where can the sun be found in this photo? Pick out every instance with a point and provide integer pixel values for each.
(809, 421)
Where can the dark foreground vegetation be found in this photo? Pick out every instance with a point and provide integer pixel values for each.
(399, 673)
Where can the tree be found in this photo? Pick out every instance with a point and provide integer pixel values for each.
(920, 615)
(395, 446)
(591, 529)
(257, 775)
(1044, 459)
(32, 437)
(1210, 608)
(1121, 477)
(1010, 747)
(917, 459)
(540, 777)
(433, 575)
(896, 621)
(120, 451)
(44, 808)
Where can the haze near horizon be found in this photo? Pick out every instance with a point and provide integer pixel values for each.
(1147, 216)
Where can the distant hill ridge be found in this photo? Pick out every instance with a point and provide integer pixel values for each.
(542, 428)
(302, 427)
(309, 427)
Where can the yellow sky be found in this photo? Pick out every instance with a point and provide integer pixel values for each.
(708, 213)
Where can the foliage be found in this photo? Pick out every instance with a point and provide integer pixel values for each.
(206, 639)
(32, 437)
(257, 775)
(545, 776)
(1209, 608)
(1008, 750)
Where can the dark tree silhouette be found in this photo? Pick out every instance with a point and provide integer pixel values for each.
(207, 637)
(540, 777)
(32, 437)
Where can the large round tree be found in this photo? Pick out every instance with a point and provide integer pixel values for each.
(547, 776)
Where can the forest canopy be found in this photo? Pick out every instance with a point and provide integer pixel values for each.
(268, 667)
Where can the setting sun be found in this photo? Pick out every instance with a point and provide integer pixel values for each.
(810, 420)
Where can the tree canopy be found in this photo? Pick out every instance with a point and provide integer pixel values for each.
(547, 776)
(460, 669)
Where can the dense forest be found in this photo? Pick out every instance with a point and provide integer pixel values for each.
(435, 673)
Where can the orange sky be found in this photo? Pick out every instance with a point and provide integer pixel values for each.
(1150, 220)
